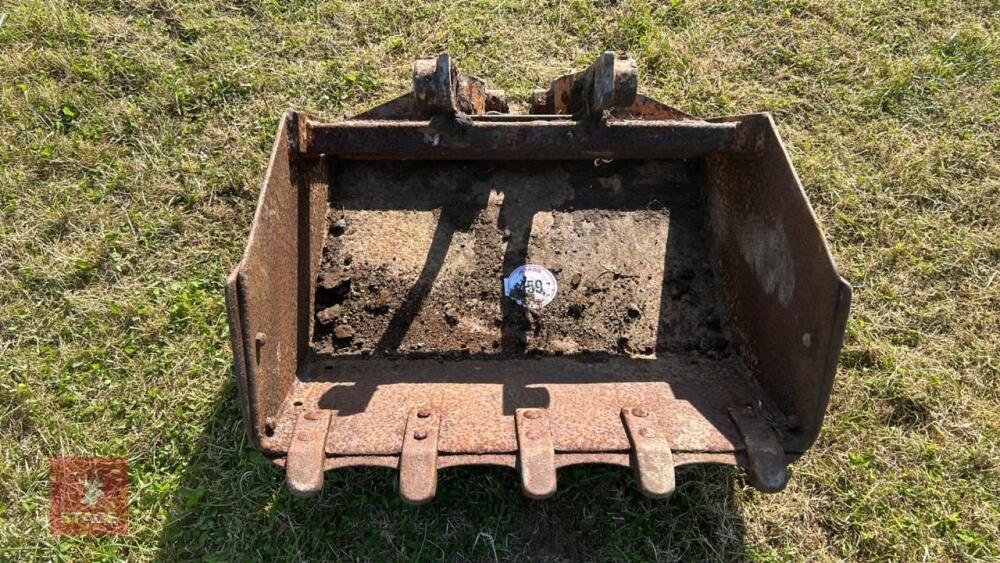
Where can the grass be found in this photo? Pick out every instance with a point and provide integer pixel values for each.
(132, 140)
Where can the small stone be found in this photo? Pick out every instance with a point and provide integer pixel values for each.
(565, 346)
(450, 316)
(329, 280)
(380, 305)
(574, 281)
(343, 332)
(329, 315)
(338, 227)
(541, 224)
(633, 311)
(333, 288)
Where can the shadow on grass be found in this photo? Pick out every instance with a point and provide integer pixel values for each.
(232, 503)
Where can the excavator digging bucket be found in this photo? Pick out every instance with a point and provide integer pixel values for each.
(601, 279)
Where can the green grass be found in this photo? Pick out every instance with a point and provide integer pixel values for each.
(132, 138)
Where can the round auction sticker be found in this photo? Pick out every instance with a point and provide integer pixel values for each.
(531, 286)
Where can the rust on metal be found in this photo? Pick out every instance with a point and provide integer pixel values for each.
(767, 467)
(369, 326)
(609, 84)
(438, 87)
(778, 277)
(554, 139)
(536, 458)
(434, 83)
(306, 453)
(583, 401)
(652, 458)
(418, 457)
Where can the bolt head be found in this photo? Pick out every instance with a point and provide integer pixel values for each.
(533, 414)
(648, 432)
(420, 435)
(641, 413)
(424, 413)
(312, 415)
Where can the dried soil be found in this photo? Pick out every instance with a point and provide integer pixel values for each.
(416, 253)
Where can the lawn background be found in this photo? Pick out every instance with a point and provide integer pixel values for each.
(133, 136)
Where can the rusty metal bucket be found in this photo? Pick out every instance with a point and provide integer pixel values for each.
(694, 312)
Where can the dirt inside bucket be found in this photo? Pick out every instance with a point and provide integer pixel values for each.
(416, 254)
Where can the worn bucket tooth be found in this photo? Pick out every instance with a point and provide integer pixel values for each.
(418, 456)
(536, 456)
(651, 457)
(307, 453)
(766, 467)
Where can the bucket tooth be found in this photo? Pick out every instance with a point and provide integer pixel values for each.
(536, 456)
(418, 456)
(307, 453)
(651, 457)
(767, 468)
